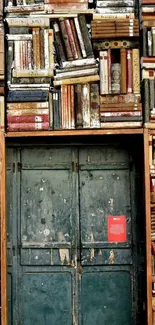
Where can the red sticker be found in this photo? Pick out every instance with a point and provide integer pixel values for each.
(117, 229)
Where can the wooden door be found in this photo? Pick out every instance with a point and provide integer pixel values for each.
(67, 206)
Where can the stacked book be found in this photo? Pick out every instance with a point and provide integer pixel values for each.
(75, 106)
(147, 10)
(74, 52)
(148, 59)
(1, 67)
(115, 28)
(45, 6)
(115, 7)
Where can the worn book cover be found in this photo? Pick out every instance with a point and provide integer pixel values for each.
(28, 126)
(123, 58)
(136, 71)
(94, 106)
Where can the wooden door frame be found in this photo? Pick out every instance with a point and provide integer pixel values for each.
(3, 189)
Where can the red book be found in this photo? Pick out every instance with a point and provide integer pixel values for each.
(71, 39)
(28, 126)
(28, 119)
(129, 71)
(109, 71)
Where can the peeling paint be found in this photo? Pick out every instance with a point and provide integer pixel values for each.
(100, 252)
(41, 189)
(112, 257)
(64, 255)
(92, 252)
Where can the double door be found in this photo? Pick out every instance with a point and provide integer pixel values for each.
(72, 236)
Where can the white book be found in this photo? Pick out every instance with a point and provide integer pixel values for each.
(79, 35)
(46, 49)
(78, 63)
(86, 105)
(79, 73)
(103, 72)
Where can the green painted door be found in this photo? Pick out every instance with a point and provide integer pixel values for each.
(72, 243)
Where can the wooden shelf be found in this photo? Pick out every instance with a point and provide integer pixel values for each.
(73, 132)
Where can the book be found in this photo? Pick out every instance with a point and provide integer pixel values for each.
(27, 96)
(71, 81)
(103, 57)
(136, 71)
(123, 62)
(28, 126)
(146, 100)
(120, 125)
(129, 72)
(94, 106)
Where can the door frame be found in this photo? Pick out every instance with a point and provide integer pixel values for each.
(3, 200)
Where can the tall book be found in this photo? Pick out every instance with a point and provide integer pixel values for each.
(103, 56)
(146, 100)
(123, 71)
(136, 71)
(94, 106)
(129, 72)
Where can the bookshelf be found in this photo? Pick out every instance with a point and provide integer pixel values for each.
(111, 106)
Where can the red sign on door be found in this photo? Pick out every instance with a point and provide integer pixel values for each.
(117, 229)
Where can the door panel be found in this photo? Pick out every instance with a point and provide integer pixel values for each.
(47, 299)
(106, 298)
(62, 267)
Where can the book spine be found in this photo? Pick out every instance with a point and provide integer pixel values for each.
(56, 113)
(2, 113)
(28, 126)
(149, 44)
(78, 106)
(86, 105)
(151, 94)
(115, 99)
(103, 56)
(38, 48)
(17, 63)
(75, 39)
(27, 105)
(34, 42)
(94, 106)
(115, 78)
(73, 81)
(32, 73)
(120, 125)
(145, 39)
(136, 71)
(59, 41)
(63, 106)
(85, 36)
(146, 101)
(153, 40)
(42, 56)
(122, 114)
(46, 49)
(29, 54)
(129, 71)
(71, 39)
(28, 22)
(10, 55)
(51, 111)
(109, 71)
(68, 110)
(28, 112)
(72, 108)
(80, 38)
(28, 119)
(66, 39)
(27, 96)
(51, 50)
(123, 71)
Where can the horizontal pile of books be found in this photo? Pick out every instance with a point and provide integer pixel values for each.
(115, 28)
(147, 10)
(45, 6)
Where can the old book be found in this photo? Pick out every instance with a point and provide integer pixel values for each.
(1, 50)
(28, 119)
(80, 37)
(2, 113)
(129, 71)
(58, 41)
(103, 57)
(94, 106)
(34, 40)
(151, 94)
(27, 96)
(146, 100)
(149, 44)
(46, 49)
(28, 112)
(76, 73)
(27, 105)
(85, 36)
(78, 105)
(68, 110)
(75, 39)
(85, 99)
(122, 114)
(120, 106)
(120, 16)
(113, 10)
(78, 63)
(148, 74)
(64, 121)
(123, 71)
(120, 3)
(121, 118)
(136, 71)
(71, 39)
(128, 98)
(115, 78)
(42, 51)
(28, 22)
(153, 40)
(32, 73)
(72, 108)
(51, 49)
(28, 126)
(120, 125)
(66, 39)
(56, 110)
(72, 81)
(114, 44)
(109, 71)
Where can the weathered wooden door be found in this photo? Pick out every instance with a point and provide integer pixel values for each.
(72, 244)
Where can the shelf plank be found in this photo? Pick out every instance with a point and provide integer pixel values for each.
(72, 132)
